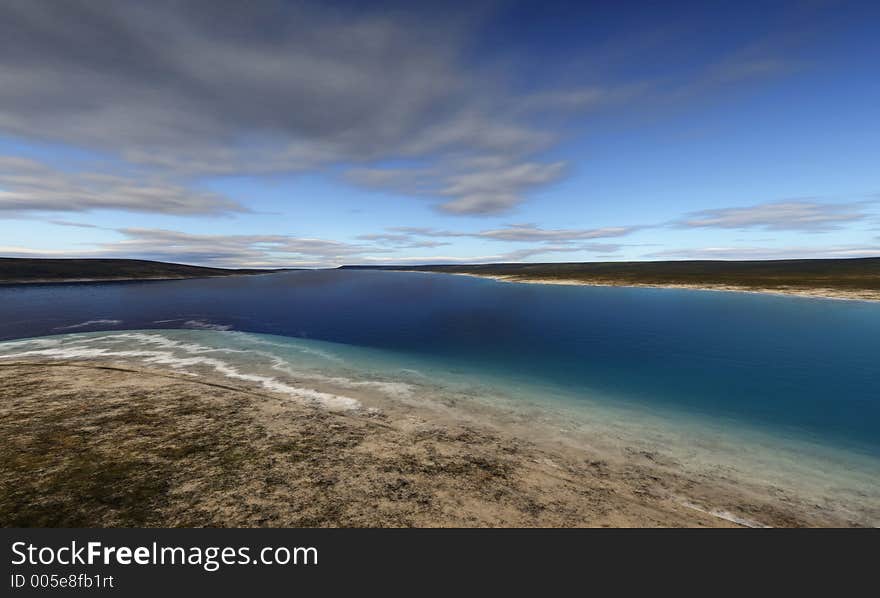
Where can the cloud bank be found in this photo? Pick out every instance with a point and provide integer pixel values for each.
(205, 88)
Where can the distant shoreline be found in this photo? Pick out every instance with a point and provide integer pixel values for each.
(15, 271)
(126, 279)
(856, 279)
(852, 279)
(810, 293)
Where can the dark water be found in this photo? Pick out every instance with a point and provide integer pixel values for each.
(804, 366)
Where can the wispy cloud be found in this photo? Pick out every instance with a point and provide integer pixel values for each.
(521, 232)
(30, 186)
(794, 214)
(401, 241)
(769, 253)
(532, 232)
(73, 224)
(519, 255)
(231, 250)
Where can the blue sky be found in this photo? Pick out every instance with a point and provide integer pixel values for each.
(297, 134)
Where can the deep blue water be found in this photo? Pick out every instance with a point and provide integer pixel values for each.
(798, 365)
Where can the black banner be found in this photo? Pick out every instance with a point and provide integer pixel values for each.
(130, 562)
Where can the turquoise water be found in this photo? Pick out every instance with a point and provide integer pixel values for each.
(777, 392)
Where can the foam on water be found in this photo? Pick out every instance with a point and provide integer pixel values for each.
(88, 323)
(164, 351)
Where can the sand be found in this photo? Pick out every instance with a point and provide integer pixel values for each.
(113, 444)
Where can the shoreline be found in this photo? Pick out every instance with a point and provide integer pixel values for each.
(810, 293)
(425, 460)
(13, 282)
(864, 295)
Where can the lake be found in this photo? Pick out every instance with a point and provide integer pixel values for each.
(801, 373)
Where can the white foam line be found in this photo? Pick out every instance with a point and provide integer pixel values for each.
(88, 323)
(73, 351)
(155, 339)
(396, 389)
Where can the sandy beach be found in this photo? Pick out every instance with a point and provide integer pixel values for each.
(107, 443)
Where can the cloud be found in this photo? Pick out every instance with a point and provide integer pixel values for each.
(496, 190)
(532, 232)
(795, 214)
(541, 242)
(575, 100)
(73, 224)
(204, 88)
(400, 241)
(481, 186)
(522, 233)
(29, 186)
(769, 253)
(231, 250)
(277, 251)
(257, 251)
(394, 99)
(518, 255)
(311, 82)
(426, 231)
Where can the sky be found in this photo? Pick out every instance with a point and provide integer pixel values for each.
(306, 134)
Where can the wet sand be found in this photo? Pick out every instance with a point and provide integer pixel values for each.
(113, 444)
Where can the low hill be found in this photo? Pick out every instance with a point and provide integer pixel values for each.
(28, 270)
